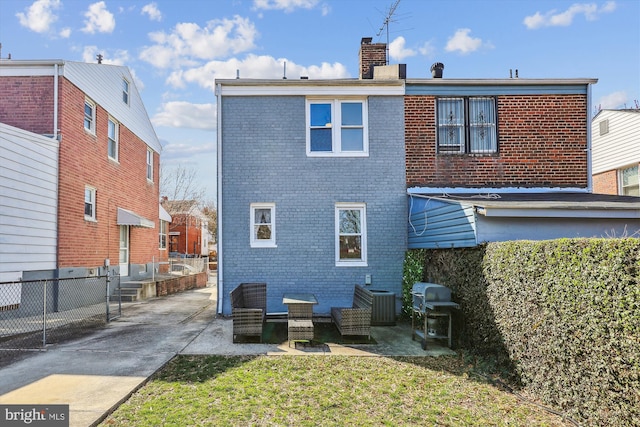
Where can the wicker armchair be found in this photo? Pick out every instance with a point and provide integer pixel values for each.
(248, 309)
(355, 320)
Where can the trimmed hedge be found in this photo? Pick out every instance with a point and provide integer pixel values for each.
(563, 314)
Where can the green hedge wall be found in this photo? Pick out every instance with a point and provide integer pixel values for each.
(564, 315)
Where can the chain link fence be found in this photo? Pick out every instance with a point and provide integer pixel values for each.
(40, 312)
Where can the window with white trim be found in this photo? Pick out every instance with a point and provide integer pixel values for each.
(149, 164)
(467, 125)
(125, 91)
(113, 131)
(90, 116)
(351, 235)
(89, 203)
(263, 225)
(630, 181)
(337, 127)
(163, 234)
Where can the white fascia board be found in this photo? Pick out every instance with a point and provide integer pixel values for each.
(313, 90)
(498, 190)
(557, 213)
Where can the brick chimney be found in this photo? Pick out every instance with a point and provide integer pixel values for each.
(371, 55)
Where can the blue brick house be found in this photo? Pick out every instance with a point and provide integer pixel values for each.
(311, 187)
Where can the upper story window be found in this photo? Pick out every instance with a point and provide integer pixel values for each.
(125, 91)
(89, 203)
(89, 116)
(630, 181)
(467, 125)
(337, 127)
(149, 164)
(351, 235)
(263, 225)
(113, 131)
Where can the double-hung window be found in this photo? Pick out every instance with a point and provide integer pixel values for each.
(630, 181)
(149, 164)
(467, 125)
(89, 203)
(112, 149)
(337, 127)
(89, 116)
(263, 225)
(351, 235)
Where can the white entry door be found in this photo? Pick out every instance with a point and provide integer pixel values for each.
(124, 250)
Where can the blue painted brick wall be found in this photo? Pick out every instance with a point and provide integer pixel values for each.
(264, 160)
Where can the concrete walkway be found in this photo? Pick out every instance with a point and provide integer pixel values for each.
(95, 373)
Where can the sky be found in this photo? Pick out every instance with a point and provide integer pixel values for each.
(176, 49)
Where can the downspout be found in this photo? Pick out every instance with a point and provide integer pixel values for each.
(219, 195)
(589, 160)
(56, 274)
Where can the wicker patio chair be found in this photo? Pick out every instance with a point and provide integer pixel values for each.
(248, 309)
(355, 320)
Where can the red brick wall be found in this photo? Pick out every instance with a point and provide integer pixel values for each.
(27, 103)
(606, 182)
(181, 283)
(187, 226)
(541, 143)
(84, 161)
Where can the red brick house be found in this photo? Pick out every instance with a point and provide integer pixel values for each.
(500, 159)
(108, 162)
(188, 231)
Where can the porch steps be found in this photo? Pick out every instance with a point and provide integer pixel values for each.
(136, 290)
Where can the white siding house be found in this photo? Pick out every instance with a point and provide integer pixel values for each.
(28, 202)
(616, 151)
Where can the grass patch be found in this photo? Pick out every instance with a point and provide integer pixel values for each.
(322, 390)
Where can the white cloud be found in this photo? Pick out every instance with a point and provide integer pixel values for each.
(397, 50)
(40, 16)
(190, 151)
(181, 114)
(188, 42)
(98, 19)
(553, 18)
(613, 100)
(110, 56)
(65, 33)
(427, 49)
(286, 5)
(152, 10)
(462, 42)
(253, 66)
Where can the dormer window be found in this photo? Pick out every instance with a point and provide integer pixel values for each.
(125, 91)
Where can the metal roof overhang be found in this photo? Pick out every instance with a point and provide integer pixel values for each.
(546, 205)
(126, 217)
(164, 215)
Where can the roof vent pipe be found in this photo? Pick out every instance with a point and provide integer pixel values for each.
(436, 70)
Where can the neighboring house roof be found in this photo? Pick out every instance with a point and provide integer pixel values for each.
(183, 207)
(97, 81)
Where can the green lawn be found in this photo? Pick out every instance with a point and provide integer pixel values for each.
(323, 391)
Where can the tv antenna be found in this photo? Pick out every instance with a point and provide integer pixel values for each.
(385, 24)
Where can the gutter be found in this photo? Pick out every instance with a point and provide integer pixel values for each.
(220, 284)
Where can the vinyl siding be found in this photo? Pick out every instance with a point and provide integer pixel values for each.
(435, 224)
(620, 147)
(28, 196)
